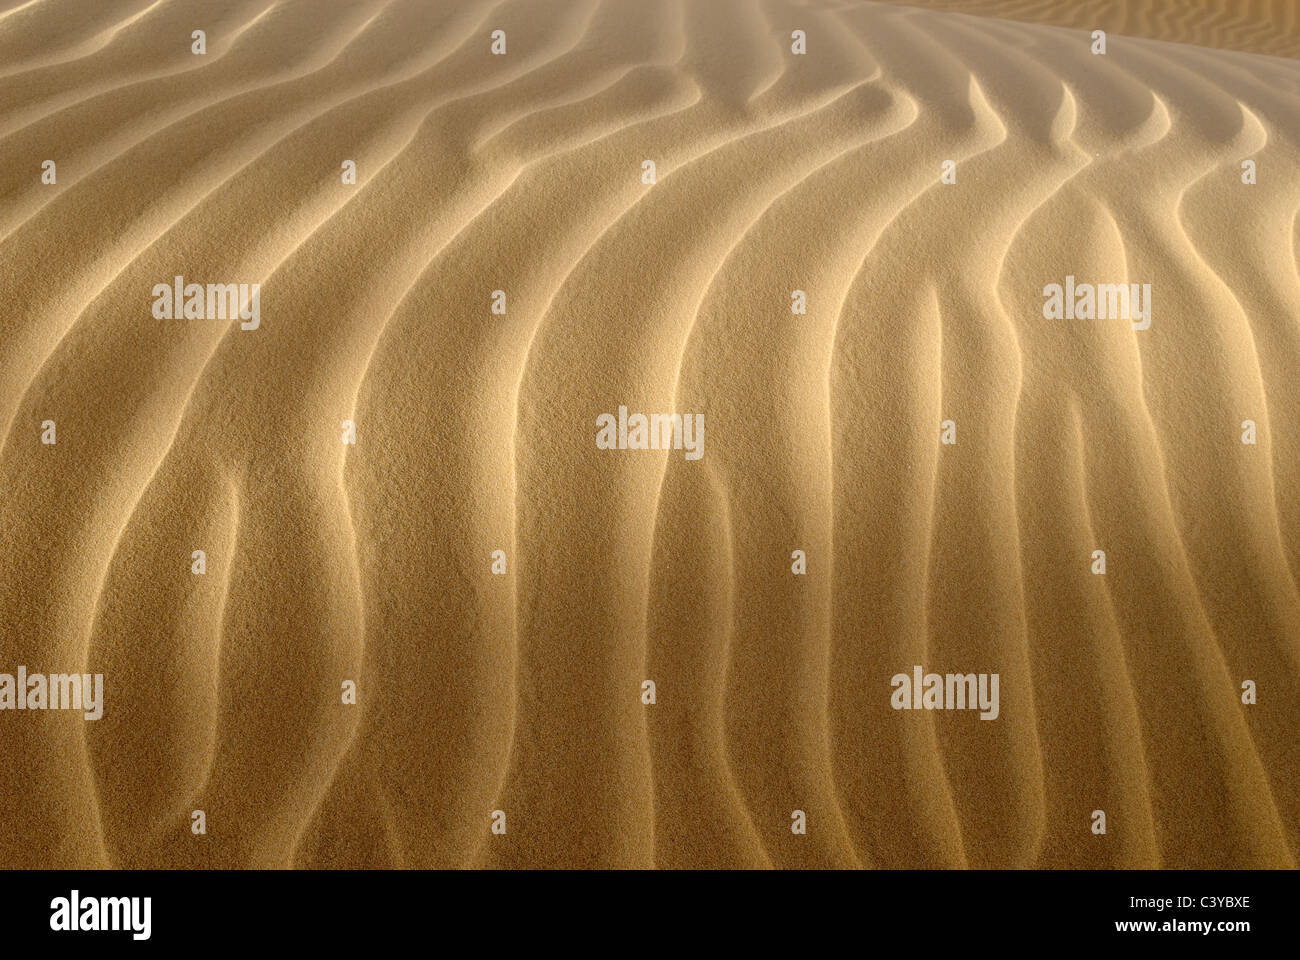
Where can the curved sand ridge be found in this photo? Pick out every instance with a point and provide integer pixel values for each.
(1256, 26)
(775, 172)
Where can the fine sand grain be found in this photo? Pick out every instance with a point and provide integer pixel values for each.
(521, 692)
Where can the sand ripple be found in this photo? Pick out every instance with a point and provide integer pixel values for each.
(522, 692)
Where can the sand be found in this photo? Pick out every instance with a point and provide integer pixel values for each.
(499, 717)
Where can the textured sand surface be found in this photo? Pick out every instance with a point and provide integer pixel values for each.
(1256, 26)
(522, 692)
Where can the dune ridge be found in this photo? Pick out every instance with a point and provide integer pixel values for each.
(1257, 26)
(329, 562)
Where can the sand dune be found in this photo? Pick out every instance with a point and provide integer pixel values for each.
(521, 692)
(1255, 26)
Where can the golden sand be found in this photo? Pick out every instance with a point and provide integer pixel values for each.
(521, 692)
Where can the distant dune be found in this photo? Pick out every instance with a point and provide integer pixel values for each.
(1255, 26)
(383, 482)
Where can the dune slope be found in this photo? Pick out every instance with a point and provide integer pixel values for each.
(496, 587)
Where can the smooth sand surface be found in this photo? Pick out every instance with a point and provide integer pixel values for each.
(475, 431)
